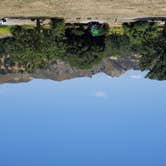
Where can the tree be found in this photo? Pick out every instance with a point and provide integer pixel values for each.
(37, 47)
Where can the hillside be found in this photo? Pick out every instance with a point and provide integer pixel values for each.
(60, 71)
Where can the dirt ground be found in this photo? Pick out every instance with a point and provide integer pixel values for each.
(83, 8)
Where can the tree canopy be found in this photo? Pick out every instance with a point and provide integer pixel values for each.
(36, 47)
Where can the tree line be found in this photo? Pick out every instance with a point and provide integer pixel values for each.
(37, 47)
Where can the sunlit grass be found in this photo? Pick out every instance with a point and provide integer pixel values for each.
(116, 30)
(28, 26)
(4, 30)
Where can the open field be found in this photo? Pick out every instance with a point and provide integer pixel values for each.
(83, 8)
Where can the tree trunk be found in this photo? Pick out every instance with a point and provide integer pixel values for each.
(164, 30)
(38, 25)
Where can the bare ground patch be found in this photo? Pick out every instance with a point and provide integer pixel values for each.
(83, 8)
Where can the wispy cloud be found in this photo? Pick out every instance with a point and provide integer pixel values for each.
(101, 94)
(136, 76)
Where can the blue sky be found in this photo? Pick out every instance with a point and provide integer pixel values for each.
(84, 121)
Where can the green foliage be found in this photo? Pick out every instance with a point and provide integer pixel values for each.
(117, 45)
(141, 32)
(58, 28)
(31, 47)
(4, 30)
(154, 59)
(82, 49)
(148, 40)
(36, 47)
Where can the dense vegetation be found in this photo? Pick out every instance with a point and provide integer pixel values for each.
(145, 39)
(149, 40)
(36, 47)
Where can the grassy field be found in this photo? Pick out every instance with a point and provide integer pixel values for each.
(4, 30)
(83, 8)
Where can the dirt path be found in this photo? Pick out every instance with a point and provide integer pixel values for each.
(27, 21)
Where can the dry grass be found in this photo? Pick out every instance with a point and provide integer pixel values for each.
(83, 8)
(4, 33)
(4, 30)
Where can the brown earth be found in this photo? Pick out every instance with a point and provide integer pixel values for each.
(83, 8)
